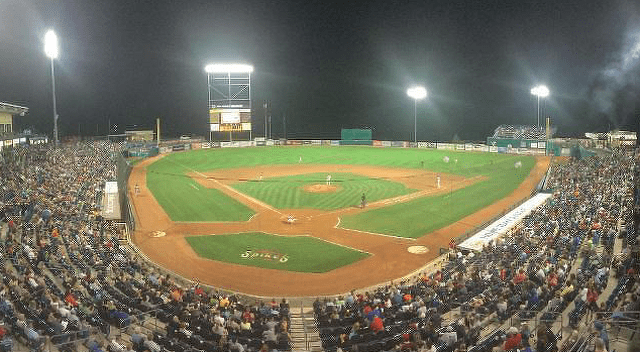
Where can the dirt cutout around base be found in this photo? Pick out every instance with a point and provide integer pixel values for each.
(320, 188)
(390, 257)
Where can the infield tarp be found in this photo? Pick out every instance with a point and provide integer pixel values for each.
(502, 225)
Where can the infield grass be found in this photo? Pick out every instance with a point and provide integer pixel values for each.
(299, 253)
(288, 192)
(168, 181)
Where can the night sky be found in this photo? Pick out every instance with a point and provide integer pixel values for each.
(327, 65)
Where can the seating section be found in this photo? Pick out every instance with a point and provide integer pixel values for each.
(67, 278)
(542, 268)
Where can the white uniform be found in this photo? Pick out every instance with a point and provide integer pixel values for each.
(328, 179)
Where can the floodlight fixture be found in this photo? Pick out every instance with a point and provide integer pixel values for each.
(51, 44)
(228, 68)
(540, 91)
(417, 93)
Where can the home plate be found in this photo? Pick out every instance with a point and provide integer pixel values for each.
(417, 249)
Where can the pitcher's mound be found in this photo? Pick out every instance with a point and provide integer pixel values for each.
(320, 188)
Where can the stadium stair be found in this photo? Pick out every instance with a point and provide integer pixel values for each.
(303, 331)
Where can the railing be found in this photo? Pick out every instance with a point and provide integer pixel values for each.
(72, 338)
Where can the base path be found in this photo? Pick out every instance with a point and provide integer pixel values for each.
(390, 257)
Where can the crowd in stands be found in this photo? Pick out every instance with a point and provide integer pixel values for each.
(561, 257)
(67, 278)
(519, 132)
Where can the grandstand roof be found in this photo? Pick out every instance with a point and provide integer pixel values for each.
(13, 109)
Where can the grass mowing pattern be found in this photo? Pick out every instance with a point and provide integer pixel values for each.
(412, 219)
(288, 193)
(418, 217)
(304, 254)
(184, 199)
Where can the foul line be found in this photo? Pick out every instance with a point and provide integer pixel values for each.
(372, 233)
(229, 188)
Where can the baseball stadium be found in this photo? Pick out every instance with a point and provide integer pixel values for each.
(153, 220)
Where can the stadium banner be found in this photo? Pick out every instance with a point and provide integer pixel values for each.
(493, 149)
(398, 144)
(446, 146)
(386, 143)
(326, 142)
(316, 142)
(187, 147)
(504, 224)
(533, 145)
(165, 150)
(503, 149)
(244, 144)
(205, 145)
(468, 146)
(270, 142)
(335, 143)
(225, 144)
(177, 147)
(307, 142)
(413, 145)
(215, 145)
(377, 144)
(542, 145)
(459, 146)
(289, 142)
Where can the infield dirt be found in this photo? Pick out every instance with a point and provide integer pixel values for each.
(390, 258)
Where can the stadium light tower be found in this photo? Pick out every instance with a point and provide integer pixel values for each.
(229, 101)
(540, 92)
(417, 93)
(51, 50)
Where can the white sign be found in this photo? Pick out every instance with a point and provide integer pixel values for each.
(502, 225)
(230, 116)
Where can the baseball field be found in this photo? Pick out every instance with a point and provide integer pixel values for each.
(413, 197)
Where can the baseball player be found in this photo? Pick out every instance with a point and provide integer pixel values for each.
(328, 179)
(136, 189)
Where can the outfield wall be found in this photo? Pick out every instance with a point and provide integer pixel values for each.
(179, 145)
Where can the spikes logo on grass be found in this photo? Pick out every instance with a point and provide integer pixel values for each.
(265, 254)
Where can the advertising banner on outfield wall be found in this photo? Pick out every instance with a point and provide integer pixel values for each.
(326, 142)
(196, 146)
(316, 142)
(290, 142)
(386, 143)
(335, 143)
(493, 149)
(376, 143)
(459, 146)
(205, 145)
(398, 144)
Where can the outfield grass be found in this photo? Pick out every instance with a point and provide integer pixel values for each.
(288, 193)
(184, 199)
(300, 253)
(166, 178)
(426, 214)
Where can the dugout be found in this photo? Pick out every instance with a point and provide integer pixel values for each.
(356, 136)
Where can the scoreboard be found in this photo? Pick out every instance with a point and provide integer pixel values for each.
(230, 120)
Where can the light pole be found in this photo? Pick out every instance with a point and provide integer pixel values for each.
(540, 92)
(51, 50)
(417, 93)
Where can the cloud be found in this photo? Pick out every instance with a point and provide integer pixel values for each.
(615, 92)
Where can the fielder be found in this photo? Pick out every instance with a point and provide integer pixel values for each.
(438, 181)
(136, 189)
(328, 179)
